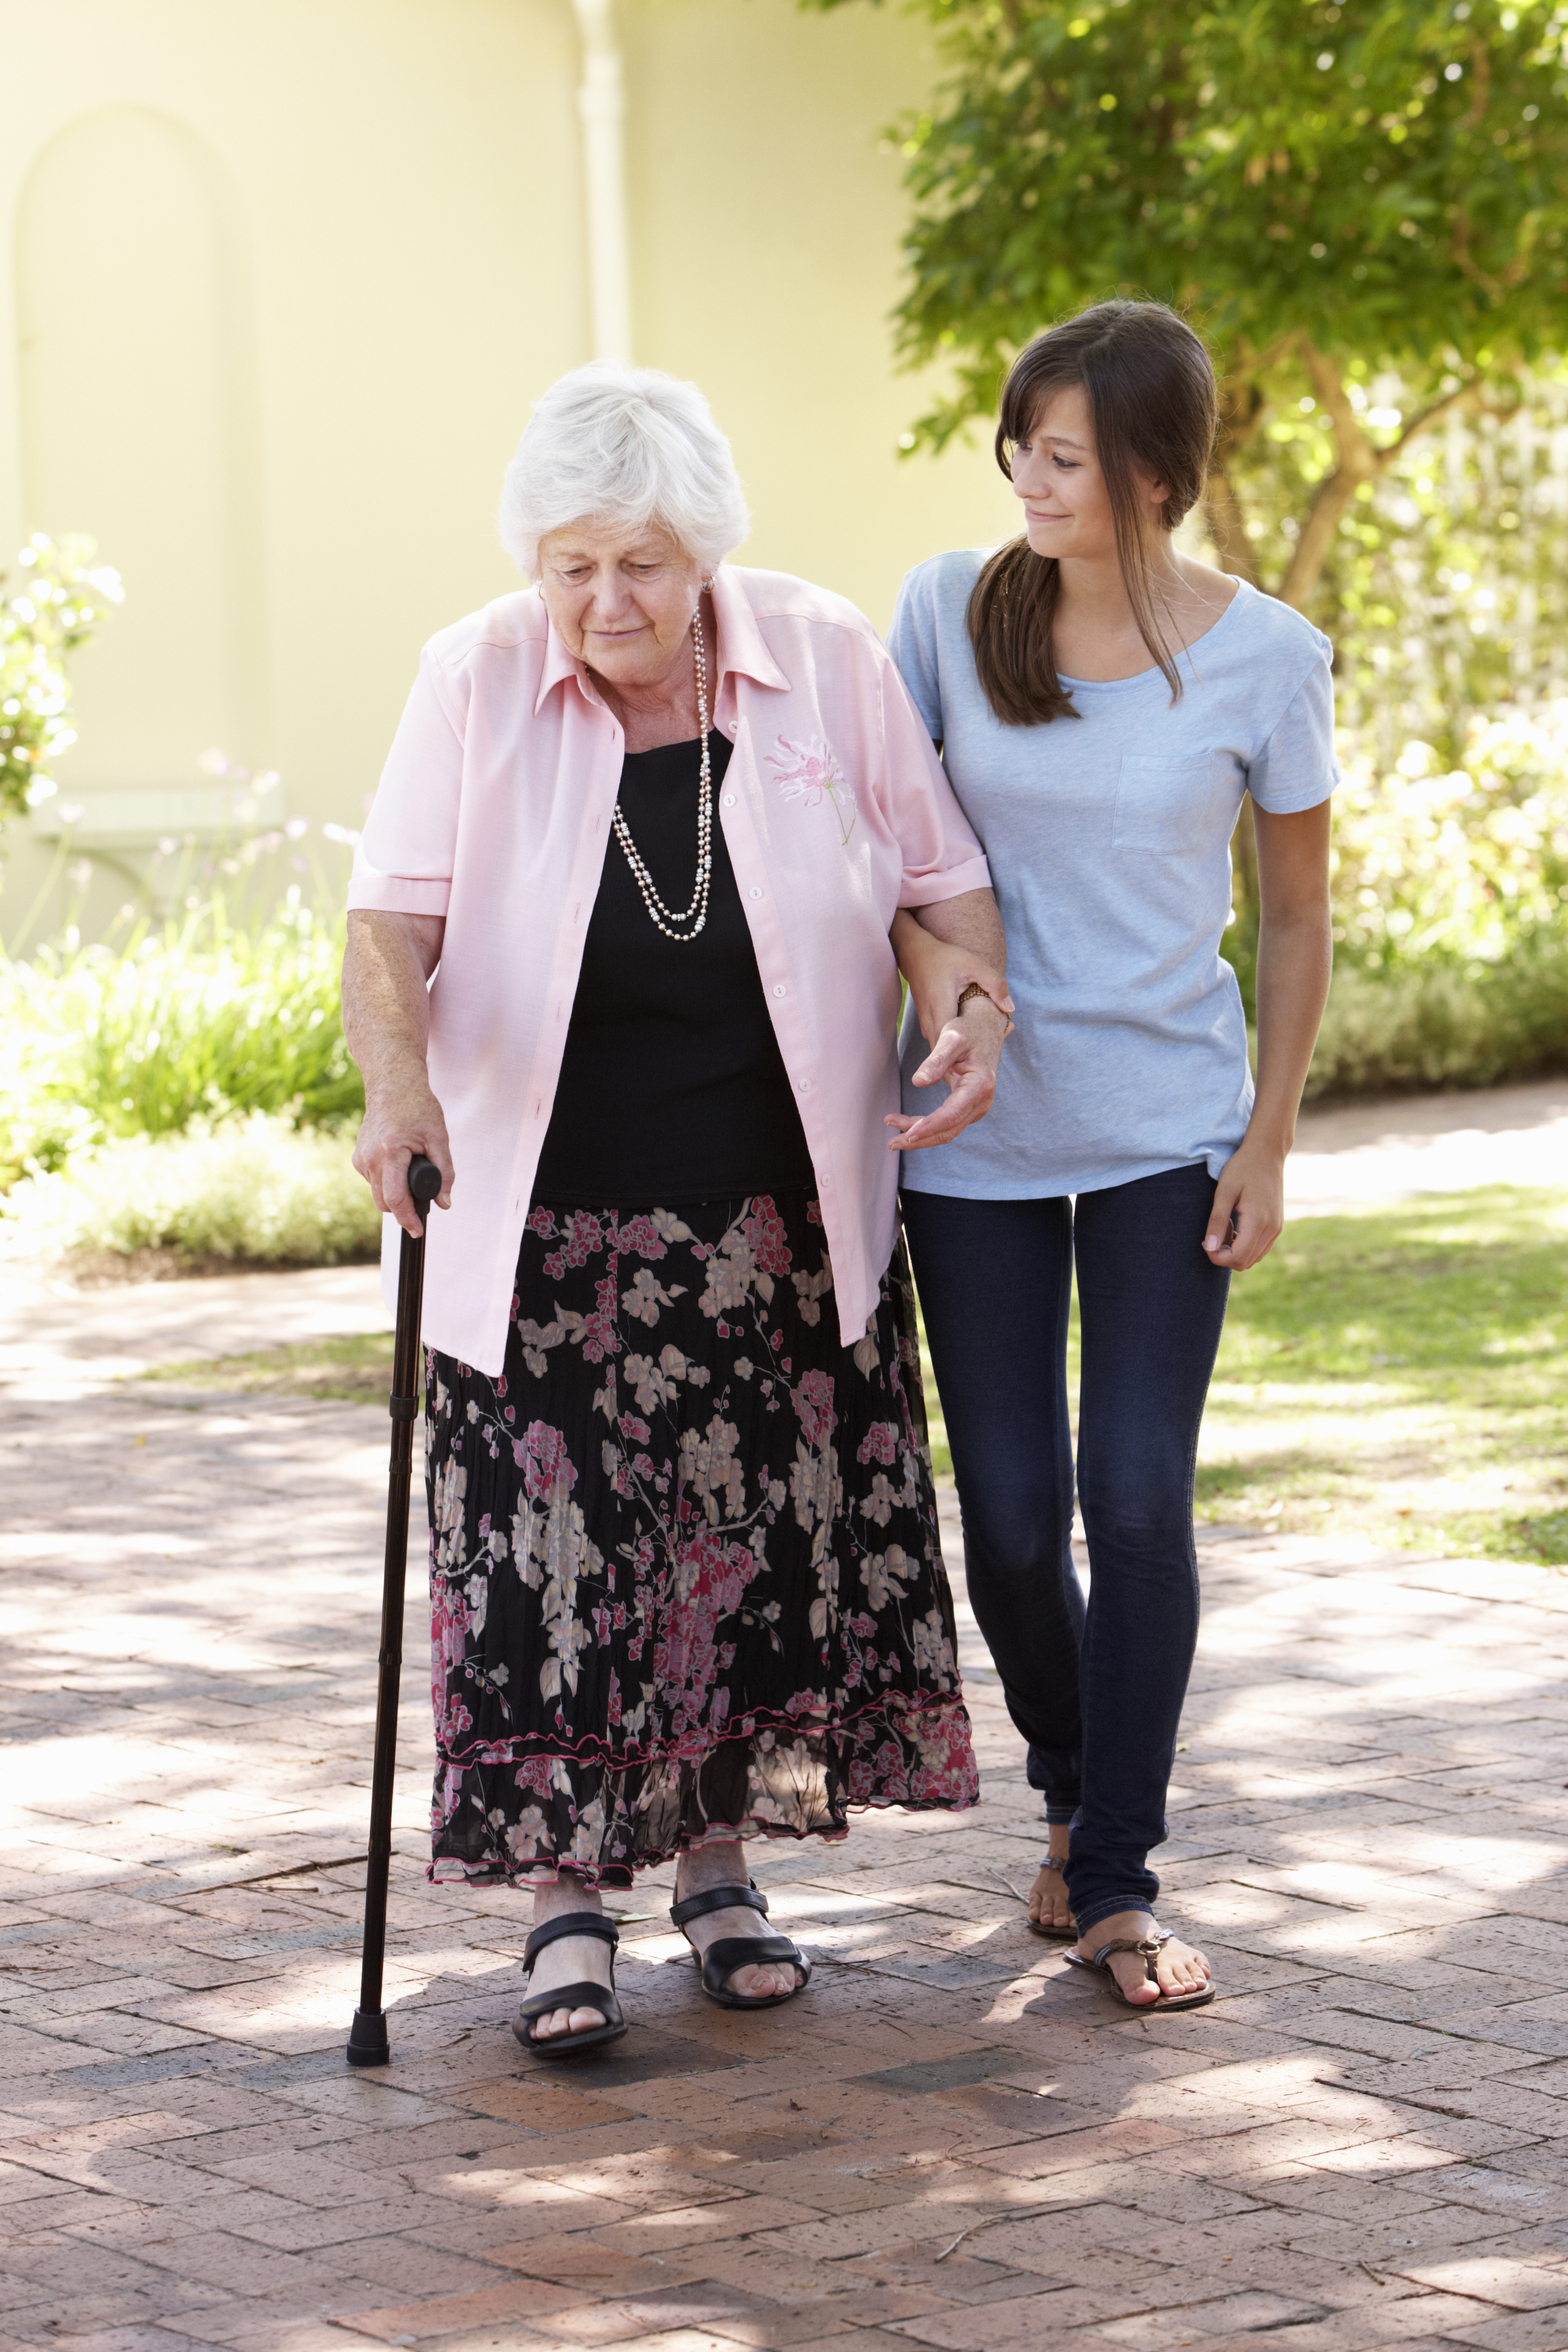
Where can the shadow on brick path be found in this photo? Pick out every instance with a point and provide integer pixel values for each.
(951, 2141)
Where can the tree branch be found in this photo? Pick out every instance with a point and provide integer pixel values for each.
(1472, 267)
(1421, 423)
(1480, 86)
(1359, 461)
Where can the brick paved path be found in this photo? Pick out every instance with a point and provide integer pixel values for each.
(951, 2141)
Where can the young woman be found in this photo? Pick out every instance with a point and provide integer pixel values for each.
(1103, 702)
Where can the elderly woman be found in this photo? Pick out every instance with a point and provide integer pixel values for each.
(620, 964)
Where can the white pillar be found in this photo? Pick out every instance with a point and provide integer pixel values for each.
(600, 99)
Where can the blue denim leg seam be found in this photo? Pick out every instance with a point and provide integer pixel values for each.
(1089, 1919)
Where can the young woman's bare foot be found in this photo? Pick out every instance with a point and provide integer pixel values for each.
(725, 1865)
(570, 1961)
(1179, 1967)
(1049, 1907)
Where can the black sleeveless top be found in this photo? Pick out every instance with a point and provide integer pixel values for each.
(672, 1086)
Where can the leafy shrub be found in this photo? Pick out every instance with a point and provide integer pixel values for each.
(255, 1191)
(223, 1013)
(1416, 1026)
(1450, 899)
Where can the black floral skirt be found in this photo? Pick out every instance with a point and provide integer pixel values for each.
(685, 1576)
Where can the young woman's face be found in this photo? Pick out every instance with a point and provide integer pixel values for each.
(621, 601)
(1066, 507)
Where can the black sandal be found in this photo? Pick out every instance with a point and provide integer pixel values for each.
(721, 1960)
(583, 1995)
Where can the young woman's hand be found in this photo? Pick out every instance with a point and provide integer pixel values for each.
(966, 1051)
(1248, 1213)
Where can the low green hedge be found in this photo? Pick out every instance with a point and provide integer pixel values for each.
(1419, 1028)
(254, 1191)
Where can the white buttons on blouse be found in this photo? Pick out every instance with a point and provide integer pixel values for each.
(755, 891)
(779, 988)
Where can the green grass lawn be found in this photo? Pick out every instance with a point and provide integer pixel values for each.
(1396, 1377)
(348, 1370)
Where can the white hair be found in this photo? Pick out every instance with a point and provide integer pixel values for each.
(626, 446)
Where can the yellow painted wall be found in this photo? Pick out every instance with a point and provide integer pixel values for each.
(766, 230)
(279, 277)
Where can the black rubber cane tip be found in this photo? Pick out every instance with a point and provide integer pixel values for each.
(367, 2039)
(424, 1178)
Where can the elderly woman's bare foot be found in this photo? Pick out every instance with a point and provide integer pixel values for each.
(725, 1865)
(1178, 1968)
(572, 1960)
(1050, 1913)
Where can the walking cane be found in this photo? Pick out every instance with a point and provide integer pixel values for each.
(367, 2035)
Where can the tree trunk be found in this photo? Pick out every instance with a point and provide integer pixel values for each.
(1222, 513)
(1242, 403)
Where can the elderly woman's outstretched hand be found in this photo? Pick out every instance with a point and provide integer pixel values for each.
(965, 1054)
(967, 1045)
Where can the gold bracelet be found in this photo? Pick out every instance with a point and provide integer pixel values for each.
(974, 989)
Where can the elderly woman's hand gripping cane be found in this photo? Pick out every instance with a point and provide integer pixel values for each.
(387, 965)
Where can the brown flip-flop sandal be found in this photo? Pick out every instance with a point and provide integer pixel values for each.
(1150, 1946)
(1068, 1935)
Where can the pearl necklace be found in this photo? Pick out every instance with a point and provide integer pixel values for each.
(697, 913)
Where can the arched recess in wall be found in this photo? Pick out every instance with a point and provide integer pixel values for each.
(139, 424)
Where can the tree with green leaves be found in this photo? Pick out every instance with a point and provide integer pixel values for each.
(1330, 189)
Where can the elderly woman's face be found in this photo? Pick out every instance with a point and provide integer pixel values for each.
(621, 602)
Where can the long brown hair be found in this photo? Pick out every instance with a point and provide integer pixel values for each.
(1151, 396)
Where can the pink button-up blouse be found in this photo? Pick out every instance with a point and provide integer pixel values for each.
(494, 812)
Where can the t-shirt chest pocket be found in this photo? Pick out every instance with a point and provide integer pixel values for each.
(1171, 806)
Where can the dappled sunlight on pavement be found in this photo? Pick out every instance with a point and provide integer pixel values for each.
(1358, 1155)
(951, 2141)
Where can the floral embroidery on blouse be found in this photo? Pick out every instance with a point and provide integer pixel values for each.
(810, 772)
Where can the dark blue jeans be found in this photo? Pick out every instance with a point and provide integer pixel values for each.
(1096, 1692)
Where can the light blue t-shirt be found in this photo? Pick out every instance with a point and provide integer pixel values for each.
(1109, 837)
